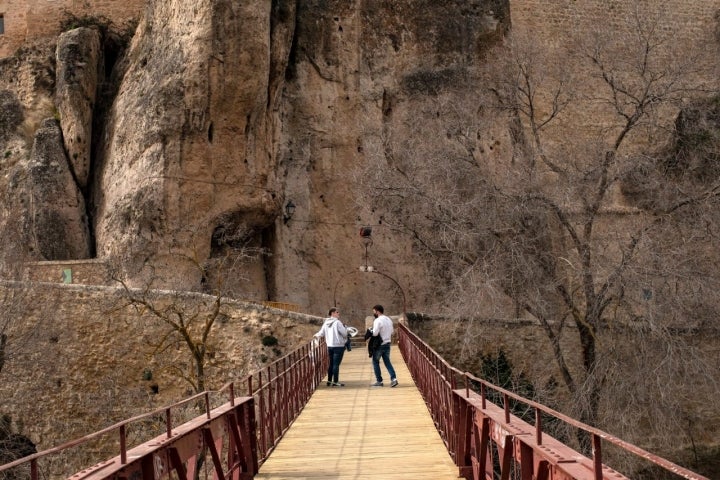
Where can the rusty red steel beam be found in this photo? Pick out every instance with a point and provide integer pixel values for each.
(232, 426)
(516, 440)
(470, 424)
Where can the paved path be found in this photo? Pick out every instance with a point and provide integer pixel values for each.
(359, 432)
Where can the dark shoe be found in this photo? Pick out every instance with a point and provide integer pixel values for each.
(328, 383)
(394, 382)
(338, 384)
(376, 384)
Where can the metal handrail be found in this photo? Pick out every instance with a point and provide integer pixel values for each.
(282, 389)
(437, 381)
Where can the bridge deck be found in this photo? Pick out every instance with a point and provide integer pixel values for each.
(358, 432)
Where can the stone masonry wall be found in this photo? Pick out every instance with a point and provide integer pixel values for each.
(555, 18)
(85, 272)
(28, 20)
(76, 361)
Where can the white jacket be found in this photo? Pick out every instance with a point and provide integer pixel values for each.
(334, 332)
(383, 326)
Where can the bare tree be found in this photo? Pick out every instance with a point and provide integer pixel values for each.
(552, 186)
(189, 316)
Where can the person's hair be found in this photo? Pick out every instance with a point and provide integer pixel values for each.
(379, 308)
(332, 310)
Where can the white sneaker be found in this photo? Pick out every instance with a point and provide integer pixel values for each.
(394, 382)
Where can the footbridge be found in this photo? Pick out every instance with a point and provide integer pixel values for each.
(284, 422)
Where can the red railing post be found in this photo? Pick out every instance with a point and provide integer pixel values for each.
(168, 423)
(123, 446)
(506, 407)
(597, 457)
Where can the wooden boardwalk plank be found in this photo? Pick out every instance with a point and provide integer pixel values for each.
(359, 432)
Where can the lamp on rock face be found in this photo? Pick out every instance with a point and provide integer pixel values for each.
(289, 211)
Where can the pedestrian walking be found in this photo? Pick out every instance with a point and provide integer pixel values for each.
(335, 334)
(383, 328)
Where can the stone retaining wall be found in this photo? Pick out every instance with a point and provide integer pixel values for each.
(78, 361)
(85, 272)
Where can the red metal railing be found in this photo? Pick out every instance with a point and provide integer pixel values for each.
(234, 438)
(482, 437)
(282, 389)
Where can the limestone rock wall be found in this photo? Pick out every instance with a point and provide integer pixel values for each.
(187, 148)
(256, 105)
(224, 112)
(80, 62)
(56, 207)
(360, 73)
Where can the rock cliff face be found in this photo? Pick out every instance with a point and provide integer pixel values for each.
(187, 147)
(359, 73)
(56, 209)
(219, 114)
(80, 63)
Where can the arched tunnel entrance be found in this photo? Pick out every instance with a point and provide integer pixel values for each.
(357, 300)
(363, 271)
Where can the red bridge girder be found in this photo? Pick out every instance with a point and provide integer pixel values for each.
(228, 431)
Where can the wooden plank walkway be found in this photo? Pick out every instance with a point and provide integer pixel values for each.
(359, 432)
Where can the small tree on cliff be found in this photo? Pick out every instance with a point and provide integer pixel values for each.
(189, 316)
(573, 218)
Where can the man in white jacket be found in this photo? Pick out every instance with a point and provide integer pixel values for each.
(335, 335)
(383, 328)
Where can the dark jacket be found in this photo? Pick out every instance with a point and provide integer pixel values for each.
(374, 342)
